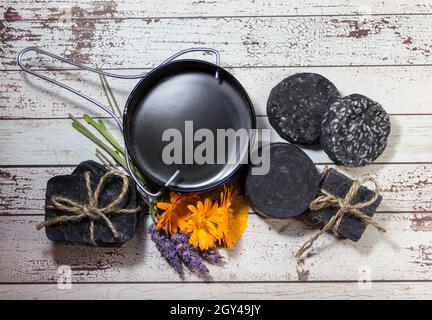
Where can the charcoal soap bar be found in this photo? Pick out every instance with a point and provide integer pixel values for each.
(338, 185)
(74, 187)
(288, 188)
(93, 167)
(354, 131)
(296, 105)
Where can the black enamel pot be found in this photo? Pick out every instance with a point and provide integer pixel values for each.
(175, 95)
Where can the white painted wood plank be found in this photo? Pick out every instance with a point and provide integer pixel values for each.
(55, 9)
(401, 90)
(53, 142)
(265, 253)
(405, 187)
(261, 41)
(22, 190)
(240, 291)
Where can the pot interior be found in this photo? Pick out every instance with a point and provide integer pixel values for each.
(179, 92)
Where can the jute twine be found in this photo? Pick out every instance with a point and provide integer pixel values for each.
(90, 210)
(326, 200)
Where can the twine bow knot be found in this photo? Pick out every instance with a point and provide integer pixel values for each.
(346, 207)
(90, 210)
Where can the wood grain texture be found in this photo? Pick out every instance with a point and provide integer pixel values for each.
(55, 142)
(405, 188)
(379, 48)
(260, 41)
(396, 88)
(57, 9)
(22, 190)
(221, 291)
(404, 252)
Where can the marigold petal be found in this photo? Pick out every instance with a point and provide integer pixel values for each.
(235, 211)
(206, 241)
(194, 239)
(193, 209)
(200, 206)
(163, 205)
(208, 204)
(173, 197)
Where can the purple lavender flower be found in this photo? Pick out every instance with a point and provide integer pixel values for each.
(166, 247)
(176, 249)
(211, 255)
(188, 253)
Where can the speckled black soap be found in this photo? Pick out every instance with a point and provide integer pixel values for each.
(288, 188)
(296, 105)
(73, 187)
(354, 131)
(339, 184)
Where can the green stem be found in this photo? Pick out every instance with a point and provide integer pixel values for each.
(110, 96)
(152, 209)
(110, 103)
(105, 159)
(105, 91)
(83, 130)
(153, 217)
(101, 159)
(108, 133)
(104, 132)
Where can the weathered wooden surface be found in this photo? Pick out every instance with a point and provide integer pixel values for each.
(258, 41)
(25, 96)
(54, 142)
(404, 252)
(404, 187)
(379, 48)
(240, 291)
(55, 9)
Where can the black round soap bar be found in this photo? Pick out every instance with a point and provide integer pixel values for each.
(296, 105)
(354, 131)
(288, 188)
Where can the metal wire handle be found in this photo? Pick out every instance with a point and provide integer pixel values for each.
(103, 107)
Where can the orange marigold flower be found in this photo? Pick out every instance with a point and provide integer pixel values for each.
(205, 224)
(176, 212)
(235, 210)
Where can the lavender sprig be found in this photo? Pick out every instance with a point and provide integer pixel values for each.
(188, 253)
(177, 250)
(166, 248)
(211, 255)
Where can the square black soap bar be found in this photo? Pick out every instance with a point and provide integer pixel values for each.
(338, 185)
(74, 187)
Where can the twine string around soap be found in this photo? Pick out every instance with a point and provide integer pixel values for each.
(90, 210)
(346, 207)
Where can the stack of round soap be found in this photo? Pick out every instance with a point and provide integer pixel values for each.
(306, 108)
